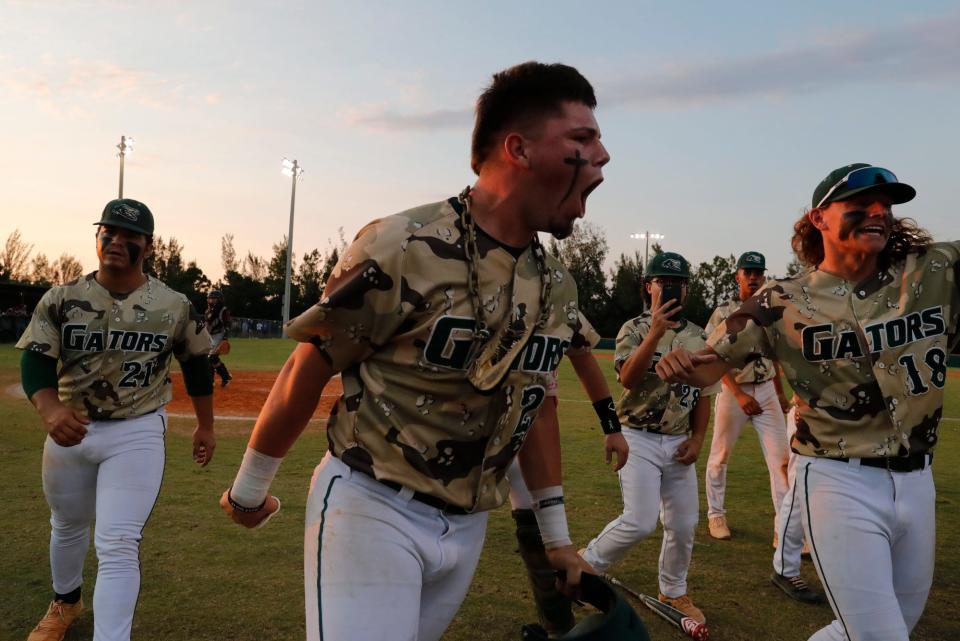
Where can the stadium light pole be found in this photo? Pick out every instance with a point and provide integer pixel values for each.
(646, 235)
(125, 147)
(293, 169)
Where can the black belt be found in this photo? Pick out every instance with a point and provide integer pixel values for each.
(909, 463)
(426, 499)
(655, 429)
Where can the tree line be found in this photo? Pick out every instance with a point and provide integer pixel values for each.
(253, 286)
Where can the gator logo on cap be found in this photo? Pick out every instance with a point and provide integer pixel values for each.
(128, 212)
(752, 258)
(672, 264)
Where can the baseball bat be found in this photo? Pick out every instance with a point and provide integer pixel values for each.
(692, 628)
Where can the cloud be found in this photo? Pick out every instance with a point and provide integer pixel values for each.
(64, 86)
(926, 51)
(909, 54)
(379, 117)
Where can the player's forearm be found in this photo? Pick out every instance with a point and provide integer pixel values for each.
(291, 402)
(203, 408)
(45, 399)
(590, 375)
(706, 374)
(638, 364)
(540, 455)
(730, 382)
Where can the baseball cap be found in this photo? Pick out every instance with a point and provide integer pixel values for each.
(128, 213)
(751, 260)
(668, 264)
(848, 180)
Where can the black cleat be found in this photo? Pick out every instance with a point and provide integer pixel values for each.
(796, 588)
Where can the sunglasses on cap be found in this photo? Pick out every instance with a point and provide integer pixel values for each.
(861, 178)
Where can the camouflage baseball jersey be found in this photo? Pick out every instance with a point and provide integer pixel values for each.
(114, 350)
(759, 370)
(867, 361)
(654, 405)
(397, 320)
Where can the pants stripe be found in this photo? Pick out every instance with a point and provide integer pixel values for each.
(786, 526)
(323, 514)
(813, 546)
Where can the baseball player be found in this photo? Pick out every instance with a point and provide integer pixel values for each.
(863, 338)
(95, 364)
(554, 609)
(218, 324)
(752, 394)
(667, 427)
(446, 322)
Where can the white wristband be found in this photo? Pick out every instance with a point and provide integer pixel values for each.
(551, 516)
(252, 484)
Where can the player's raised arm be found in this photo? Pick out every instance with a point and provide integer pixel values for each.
(635, 367)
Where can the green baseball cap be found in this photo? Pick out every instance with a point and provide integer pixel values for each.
(668, 264)
(844, 182)
(751, 260)
(128, 213)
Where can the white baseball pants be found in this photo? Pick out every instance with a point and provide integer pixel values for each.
(112, 476)
(653, 484)
(380, 565)
(786, 558)
(872, 534)
(728, 423)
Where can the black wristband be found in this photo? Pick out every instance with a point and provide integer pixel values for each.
(607, 414)
(240, 508)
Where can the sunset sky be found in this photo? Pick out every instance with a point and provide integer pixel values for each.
(720, 118)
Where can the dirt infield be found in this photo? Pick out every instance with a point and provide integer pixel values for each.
(245, 395)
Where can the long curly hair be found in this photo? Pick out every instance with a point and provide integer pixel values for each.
(906, 237)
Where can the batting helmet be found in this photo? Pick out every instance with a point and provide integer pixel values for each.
(616, 621)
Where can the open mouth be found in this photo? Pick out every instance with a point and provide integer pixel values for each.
(586, 192)
(873, 230)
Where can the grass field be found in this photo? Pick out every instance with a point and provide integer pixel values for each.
(204, 578)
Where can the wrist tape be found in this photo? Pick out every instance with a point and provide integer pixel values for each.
(252, 484)
(551, 516)
(607, 413)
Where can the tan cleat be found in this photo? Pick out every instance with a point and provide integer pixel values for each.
(805, 552)
(719, 528)
(55, 622)
(685, 605)
(776, 540)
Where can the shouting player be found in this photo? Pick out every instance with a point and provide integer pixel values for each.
(95, 364)
(446, 322)
(863, 338)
